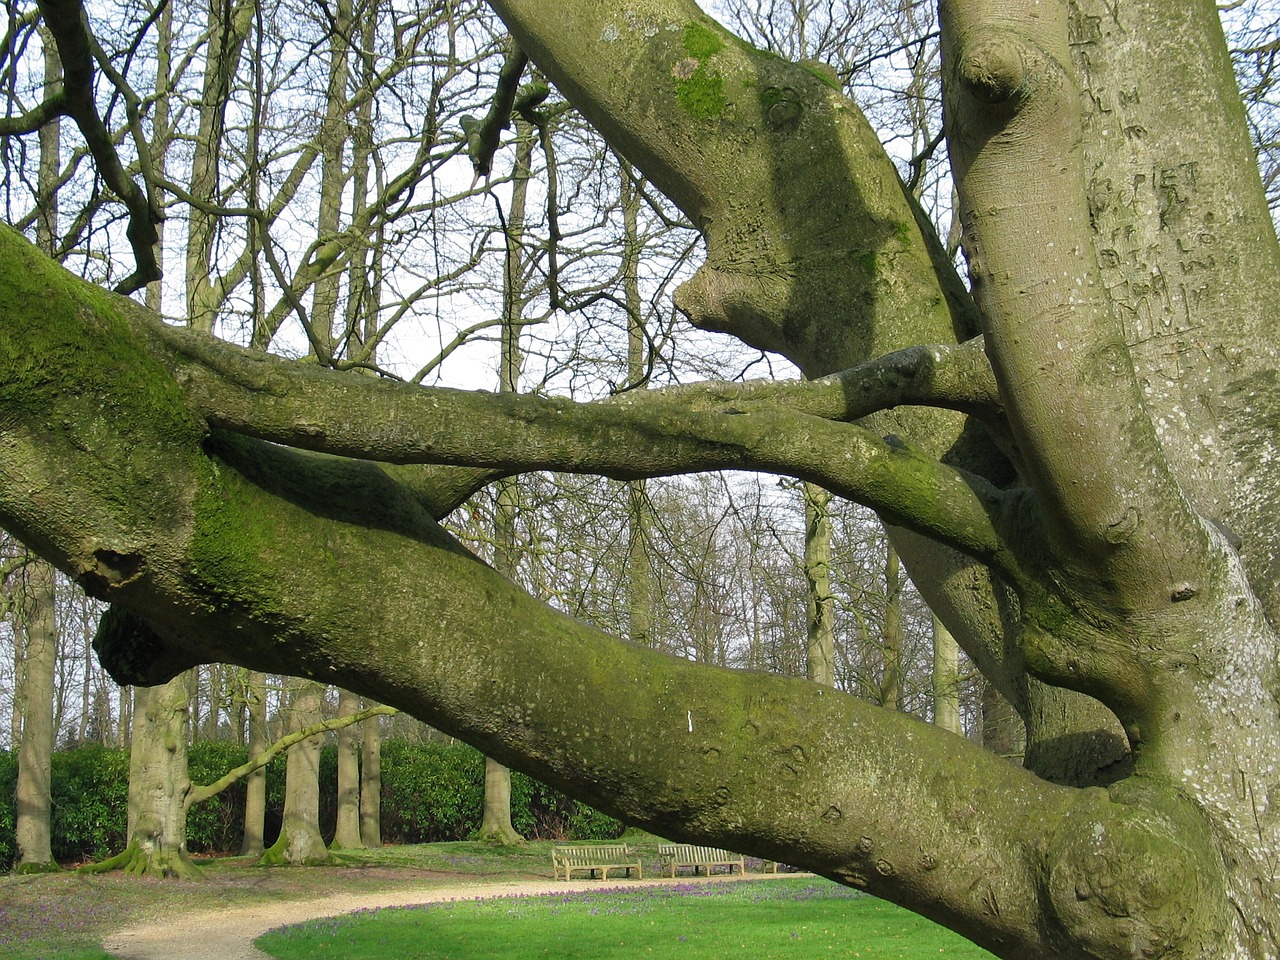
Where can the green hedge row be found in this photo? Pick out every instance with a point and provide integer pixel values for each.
(430, 793)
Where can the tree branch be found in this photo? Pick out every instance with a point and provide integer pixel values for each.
(35, 118)
(67, 22)
(633, 435)
(776, 275)
(213, 540)
(199, 794)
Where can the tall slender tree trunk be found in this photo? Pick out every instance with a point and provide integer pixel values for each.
(33, 793)
(334, 133)
(639, 561)
(496, 824)
(300, 841)
(371, 782)
(32, 798)
(891, 633)
(946, 678)
(255, 799)
(228, 26)
(820, 650)
(347, 830)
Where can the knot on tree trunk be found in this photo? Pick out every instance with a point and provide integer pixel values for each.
(1127, 882)
(993, 69)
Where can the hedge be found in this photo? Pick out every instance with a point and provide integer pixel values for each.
(430, 793)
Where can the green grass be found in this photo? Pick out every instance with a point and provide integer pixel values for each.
(800, 918)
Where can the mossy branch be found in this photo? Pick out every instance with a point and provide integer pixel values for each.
(483, 136)
(202, 793)
(782, 429)
(35, 118)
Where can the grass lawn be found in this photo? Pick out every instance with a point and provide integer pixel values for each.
(789, 918)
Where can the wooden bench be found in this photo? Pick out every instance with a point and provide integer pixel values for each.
(675, 855)
(597, 856)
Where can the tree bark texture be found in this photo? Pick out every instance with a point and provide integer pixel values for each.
(300, 841)
(255, 788)
(371, 783)
(158, 784)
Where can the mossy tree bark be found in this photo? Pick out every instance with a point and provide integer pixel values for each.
(1100, 535)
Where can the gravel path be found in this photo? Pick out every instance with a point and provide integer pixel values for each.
(229, 934)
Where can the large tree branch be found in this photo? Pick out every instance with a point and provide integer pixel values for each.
(35, 118)
(1111, 501)
(798, 239)
(635, 435)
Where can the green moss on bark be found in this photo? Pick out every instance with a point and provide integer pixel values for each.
(699, 87)
(700, 41)
(60, 330)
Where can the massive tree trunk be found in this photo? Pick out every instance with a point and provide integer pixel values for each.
(158, 785)
(1100, 535)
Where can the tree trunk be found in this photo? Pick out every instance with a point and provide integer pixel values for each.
(640, 600)
(946, 679)
(255, 788)
(495, 824)
(347, 830)
(300, 841)
(158, 785)
(891, 631)
(38, 638)
(32, 798)
(371, 783)
(820, 650)
(1103, 530)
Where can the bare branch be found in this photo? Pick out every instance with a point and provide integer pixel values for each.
(67, 22)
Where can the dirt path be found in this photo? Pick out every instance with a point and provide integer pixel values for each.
(229, 934)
